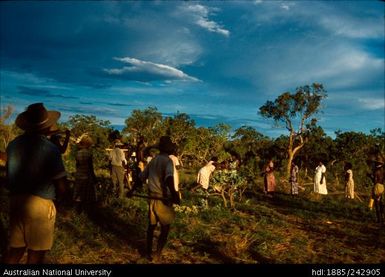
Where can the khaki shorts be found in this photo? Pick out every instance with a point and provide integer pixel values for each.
(32, 222)
(159, 212)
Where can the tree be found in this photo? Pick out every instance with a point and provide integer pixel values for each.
(318, 147)
(248, 145)
(98, 130)
(181, 129)
(220, 135)
(7, 131)
(204, 143)
(146, 124)
(356, 148)
(245, 143)
(295, 109)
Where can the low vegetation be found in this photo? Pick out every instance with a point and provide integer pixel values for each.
(284, 229)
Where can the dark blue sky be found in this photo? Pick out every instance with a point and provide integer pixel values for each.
(216, 61)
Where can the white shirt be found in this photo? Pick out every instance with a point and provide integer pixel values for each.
(176, 163)
(320, 187)
(204, 174)
(117, 157)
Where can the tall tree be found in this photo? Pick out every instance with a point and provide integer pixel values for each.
(295, 110)
(144, 123)
(181, 128)
(246, 142)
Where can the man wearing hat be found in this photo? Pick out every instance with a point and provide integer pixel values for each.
(118, 161)
(160, 175)
(35, 176)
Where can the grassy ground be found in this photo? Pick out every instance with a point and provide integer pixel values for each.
(284, 229)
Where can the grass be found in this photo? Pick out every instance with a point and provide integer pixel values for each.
(292, 230)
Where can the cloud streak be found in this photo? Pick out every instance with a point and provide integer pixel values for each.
(372, 103)
(199, 14)
(146, 71)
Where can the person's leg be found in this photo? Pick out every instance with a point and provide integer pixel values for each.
(36, 257)
(150, 236)
(165, 229)
(14, 255)
(121, 182)
(114, 178)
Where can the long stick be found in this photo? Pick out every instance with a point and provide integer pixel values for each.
(149, 197)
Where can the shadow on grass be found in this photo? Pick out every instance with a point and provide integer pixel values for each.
(107, 219)
(212, 248)
(326, 204)
(353, 224)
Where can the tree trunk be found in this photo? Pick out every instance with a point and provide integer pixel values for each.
(291, 157)
(291, 152)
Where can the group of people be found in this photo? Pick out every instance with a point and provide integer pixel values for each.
(36, 180)
(319, 179)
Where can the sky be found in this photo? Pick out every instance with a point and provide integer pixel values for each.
(217, 61)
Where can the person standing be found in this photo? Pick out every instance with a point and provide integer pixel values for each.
(349, 181)
(203, 180)
(56, 138)
(36, 176)
(320, 179)
(118, 162)
(203, 177)
(85, 179)
(269, 178)
(294, 178)
(139, 153)
(162, 194)
(377, 195)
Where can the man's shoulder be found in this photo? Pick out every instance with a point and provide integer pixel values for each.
(164, 158)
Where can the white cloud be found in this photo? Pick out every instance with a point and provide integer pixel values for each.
(336, 66)
(175, 50)
(285, 6)
(344, 25)
(372, 103)
(199, 14)
(155, 69)
(345, 60)
(336, 18)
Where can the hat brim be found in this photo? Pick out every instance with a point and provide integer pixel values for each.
(23, 123)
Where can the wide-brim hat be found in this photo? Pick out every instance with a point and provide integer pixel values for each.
(36, 118)
(166, 145)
